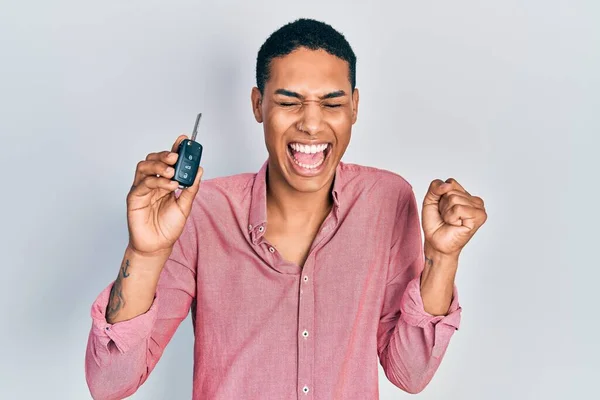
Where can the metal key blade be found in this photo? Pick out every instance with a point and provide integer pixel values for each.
(195, 132)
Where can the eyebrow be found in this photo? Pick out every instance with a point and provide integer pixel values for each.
(289, 93)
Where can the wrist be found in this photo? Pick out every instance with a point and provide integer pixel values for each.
(437, 280)
(439, 269)
(439, 257)
(146, 265)
(148, 255)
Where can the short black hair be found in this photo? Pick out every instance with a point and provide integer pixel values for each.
(308, 33)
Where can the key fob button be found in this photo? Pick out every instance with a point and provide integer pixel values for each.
(183, 174)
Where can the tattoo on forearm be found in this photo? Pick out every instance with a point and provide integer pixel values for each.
(117, 301)
(124, 269)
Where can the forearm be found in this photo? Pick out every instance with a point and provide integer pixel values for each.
(135, 286)
(123, 349)
(437, 281)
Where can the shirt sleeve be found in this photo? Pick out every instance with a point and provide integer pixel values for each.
(411, 342)
(120, 356)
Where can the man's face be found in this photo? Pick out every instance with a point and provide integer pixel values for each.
(307, 109)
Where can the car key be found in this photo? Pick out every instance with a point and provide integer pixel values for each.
(188, 161)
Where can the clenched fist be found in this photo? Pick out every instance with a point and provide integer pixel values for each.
(451, 216)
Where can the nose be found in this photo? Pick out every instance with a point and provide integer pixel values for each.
(312, 119)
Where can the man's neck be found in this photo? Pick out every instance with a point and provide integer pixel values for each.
(294, 208)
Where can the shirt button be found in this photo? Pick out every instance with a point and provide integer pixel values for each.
(261, 228)
(305, 389)
(305, 333)
(271, 249)
(249, 227)
(306, 279)
(108, 328)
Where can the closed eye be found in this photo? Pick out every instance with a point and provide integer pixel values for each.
(285, 104)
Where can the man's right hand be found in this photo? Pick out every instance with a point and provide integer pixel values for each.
(155, 216)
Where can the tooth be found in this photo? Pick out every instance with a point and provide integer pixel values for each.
(304, 148)
(313, 149)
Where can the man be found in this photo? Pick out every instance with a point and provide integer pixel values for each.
(299, 277)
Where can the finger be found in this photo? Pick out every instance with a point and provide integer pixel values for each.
(478, 200)
(458, 197)
(454, 192)
(450, 200)
(179, 139)
(461, 215)
(151, 183)
(456, 185)
(156, 168)
(152, 168)
(437, 188)
(168, 157)
(186, 198)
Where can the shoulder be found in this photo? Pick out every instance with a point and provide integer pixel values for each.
(225, 191)
(377, 181)
(231, 183)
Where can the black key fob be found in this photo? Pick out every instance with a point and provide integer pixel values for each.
(190, 153)
(188, 162)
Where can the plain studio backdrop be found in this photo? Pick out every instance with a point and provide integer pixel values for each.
(501, 95)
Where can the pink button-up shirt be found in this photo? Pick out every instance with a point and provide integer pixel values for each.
(266, 328)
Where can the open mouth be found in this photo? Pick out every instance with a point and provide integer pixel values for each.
(309, 156)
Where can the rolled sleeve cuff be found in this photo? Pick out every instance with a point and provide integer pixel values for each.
(443, 326)
(124, 334)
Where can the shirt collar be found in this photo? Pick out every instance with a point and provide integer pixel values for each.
(258, 204)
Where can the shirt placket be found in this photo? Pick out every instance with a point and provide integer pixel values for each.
(306, 337)
(306, 304)
(306, 314)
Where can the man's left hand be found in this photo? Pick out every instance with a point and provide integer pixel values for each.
(451, 216)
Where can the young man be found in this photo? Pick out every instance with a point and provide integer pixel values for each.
(299, 277)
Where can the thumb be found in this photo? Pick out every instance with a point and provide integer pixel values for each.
(186, 198)
(437, 188)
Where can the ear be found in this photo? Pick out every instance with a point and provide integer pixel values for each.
(354, 105)
(256, 99)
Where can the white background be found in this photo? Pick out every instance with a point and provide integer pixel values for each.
(501, 95)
